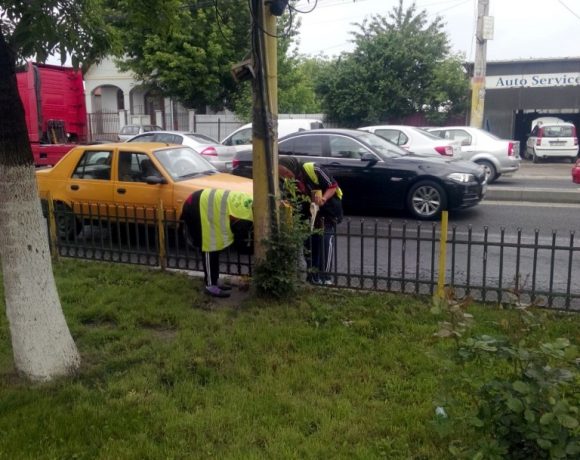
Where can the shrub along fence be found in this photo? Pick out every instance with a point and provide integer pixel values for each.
(413, 257)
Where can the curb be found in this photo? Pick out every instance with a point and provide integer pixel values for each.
(536, 195)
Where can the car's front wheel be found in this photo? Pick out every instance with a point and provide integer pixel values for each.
(426, 200)
(490, 171)
(68, 226)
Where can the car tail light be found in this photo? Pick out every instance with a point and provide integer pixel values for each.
(574, 135)
(209, 152)
(510, 149)
(540, 135)
(445, 150)
(235, 163)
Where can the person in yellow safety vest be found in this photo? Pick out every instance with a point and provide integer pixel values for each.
(209, 216)
(317, 186)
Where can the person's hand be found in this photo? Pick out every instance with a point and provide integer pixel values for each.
(319, 200)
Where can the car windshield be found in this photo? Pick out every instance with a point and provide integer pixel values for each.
(183, 163)
(381, 146)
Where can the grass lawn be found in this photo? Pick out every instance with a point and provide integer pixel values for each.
(168, 373)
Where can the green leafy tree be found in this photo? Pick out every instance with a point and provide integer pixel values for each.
(401, 65)
(184, 47)
(41, 342)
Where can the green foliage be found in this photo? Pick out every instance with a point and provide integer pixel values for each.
(168, 372)
(401, 65)
(184, 48)
(532, 412)
(296, 93)
(457, 320)
(271, 278)
(530, 408)
(38, 28)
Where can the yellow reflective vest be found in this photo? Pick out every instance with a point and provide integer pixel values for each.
(215, 208)
(309, 168)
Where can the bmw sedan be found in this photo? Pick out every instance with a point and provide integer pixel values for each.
(376, 174)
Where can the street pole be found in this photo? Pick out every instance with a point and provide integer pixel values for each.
(264, 122)
(478, 79)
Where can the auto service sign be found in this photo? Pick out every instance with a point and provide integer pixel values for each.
(542, 80)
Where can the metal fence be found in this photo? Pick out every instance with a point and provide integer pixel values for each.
(103, 126)
(370, 255)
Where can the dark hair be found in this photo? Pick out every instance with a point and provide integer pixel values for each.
(292, 164)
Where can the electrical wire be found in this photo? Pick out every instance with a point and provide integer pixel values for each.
(293, 8)
(220, 20)
(569, 9)
(255, 21)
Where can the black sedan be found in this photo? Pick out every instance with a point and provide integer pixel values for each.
(373, 173)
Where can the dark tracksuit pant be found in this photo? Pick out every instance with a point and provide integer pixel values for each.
(192, 219)
(321, 251)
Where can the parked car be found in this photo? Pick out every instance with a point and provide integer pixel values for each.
(139, 175)
(219, 155)
(241, 138)
(416, 140)
(128, 131)
(373, 173)
(576, 172)
(552, 140)
(497, 156)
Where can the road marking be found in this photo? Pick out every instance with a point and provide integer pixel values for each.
(530, 204)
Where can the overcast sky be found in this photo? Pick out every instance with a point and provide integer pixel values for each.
(523, 28)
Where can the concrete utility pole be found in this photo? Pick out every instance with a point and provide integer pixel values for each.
(484, 32)
(265, 122)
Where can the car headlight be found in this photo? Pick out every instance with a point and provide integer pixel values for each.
(461, 177)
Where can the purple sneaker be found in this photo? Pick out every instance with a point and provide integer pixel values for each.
(215, 291)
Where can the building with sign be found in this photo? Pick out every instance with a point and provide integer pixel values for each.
(518, 92)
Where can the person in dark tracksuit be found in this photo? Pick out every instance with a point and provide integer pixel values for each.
(317, 186)
(209, 216)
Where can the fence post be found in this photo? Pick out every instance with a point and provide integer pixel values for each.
(219, 128)
(442, 255)
(161, 233)
(52, 233)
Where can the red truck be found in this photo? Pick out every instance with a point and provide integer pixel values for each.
(55, 110)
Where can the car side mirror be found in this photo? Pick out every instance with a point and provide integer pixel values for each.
(369, 158)
(155, 180)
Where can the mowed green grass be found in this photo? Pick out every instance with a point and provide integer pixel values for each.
(168, 373)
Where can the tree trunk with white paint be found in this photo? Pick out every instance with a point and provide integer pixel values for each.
(41, 341)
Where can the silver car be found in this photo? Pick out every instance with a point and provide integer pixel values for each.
(220, 156)
(416, 140)
(128, 131)
(497, 156)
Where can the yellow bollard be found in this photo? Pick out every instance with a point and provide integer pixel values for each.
(161, 232)
(52, 227)
(442, 255)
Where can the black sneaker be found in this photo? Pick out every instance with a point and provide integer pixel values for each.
(215, 291)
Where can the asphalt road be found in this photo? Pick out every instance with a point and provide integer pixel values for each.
(475, 256)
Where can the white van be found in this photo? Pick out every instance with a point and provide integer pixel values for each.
(241, 138)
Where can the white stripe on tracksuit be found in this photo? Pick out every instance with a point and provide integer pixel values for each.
(328, 267)
(208, 268)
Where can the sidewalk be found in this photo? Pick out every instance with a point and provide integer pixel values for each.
(528, 170)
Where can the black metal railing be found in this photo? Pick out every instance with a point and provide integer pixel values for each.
(498, 267)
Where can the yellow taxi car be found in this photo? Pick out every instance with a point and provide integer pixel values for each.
(119, 179)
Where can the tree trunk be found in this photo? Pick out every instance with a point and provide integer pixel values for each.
(41, 342)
